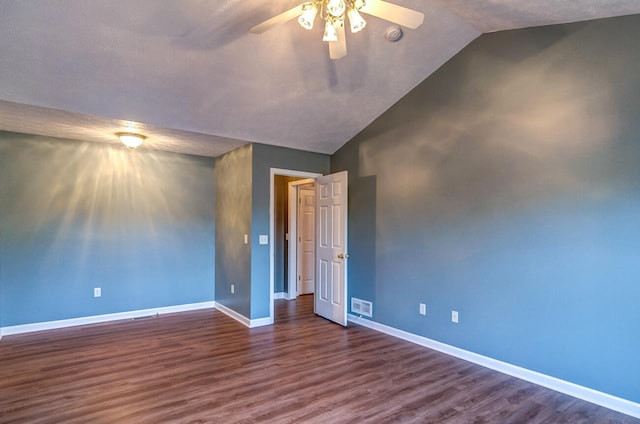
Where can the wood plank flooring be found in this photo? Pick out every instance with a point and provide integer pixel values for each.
(203, 367)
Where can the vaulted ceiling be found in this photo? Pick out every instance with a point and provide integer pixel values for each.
(190, 76)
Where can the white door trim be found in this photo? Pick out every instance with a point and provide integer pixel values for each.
(292, 291)
(273, 173)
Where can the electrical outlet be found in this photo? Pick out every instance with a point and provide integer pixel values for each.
(423, 309)
(246, 239)
(454, 316)
(263, 239)
(97, 292)
(233, 288)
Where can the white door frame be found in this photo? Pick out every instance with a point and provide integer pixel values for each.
(273, 173)
(292, 279)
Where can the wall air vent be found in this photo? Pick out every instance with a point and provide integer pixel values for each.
(361, 307)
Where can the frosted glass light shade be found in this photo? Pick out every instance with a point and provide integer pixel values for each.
(308, 16)
(330, 32)
(131, 140)
(356, 20)
(336, 7)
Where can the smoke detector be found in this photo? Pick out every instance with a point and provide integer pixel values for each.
(393, 34)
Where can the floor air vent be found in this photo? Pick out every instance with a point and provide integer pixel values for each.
(361, 307)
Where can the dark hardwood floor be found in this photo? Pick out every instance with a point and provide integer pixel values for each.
(201, 367)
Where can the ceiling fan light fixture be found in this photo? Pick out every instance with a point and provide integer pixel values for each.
(308, 16)
(356, 20)
(131, 140)
(336, 12)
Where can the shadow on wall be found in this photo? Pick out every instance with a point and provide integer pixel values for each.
(529, 135)
(362, 238)
(233, 217)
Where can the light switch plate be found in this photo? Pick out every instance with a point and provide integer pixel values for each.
(264, 239)
(246, 239)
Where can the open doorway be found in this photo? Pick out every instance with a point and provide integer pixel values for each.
(294, 236)
(330, 299)
(284, 252)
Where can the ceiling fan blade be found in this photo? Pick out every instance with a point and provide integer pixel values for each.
(338, 49)
(277, 20)
(393, 13)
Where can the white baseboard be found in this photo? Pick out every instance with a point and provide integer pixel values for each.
(280, 295)
(251, 323)
(260, 322)
(590, 395)
(233, 314)
(72, 322)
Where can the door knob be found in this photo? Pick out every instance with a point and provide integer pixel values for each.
(343, 256)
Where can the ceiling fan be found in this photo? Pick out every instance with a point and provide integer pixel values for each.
(335, 12)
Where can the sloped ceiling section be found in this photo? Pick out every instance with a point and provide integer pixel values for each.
(499, 15)
(196, 81)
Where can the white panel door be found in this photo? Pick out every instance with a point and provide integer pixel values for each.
(331, 247)
(306, 239)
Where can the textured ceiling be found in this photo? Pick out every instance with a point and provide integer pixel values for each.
(196, 81)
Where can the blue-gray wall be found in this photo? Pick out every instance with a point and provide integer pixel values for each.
(139, 224)
(242, 207)
(264, 158)
(507, 186)
(233, 221)
(74, 216)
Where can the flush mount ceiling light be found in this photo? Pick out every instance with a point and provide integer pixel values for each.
(131, 140)
(336, 12)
